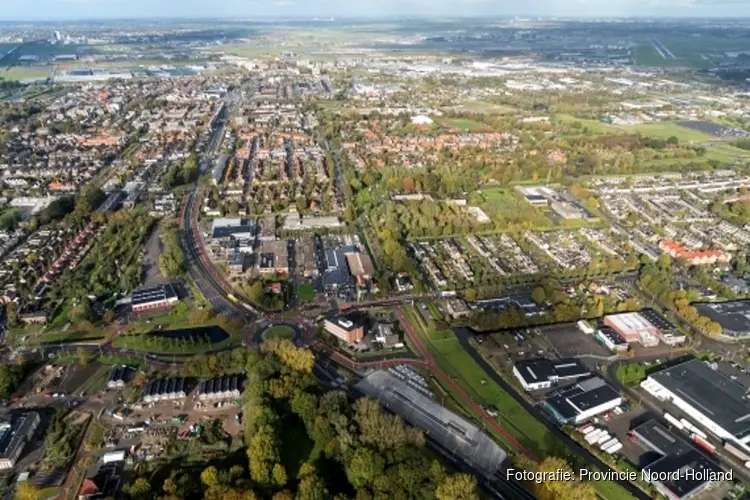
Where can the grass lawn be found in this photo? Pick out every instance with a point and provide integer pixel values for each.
(665, 130)
(296, 446)
(594, 126)
(484, 107)
(278, 332)
(306, 292)
(506, 203)
(23, 72)
(464, 124)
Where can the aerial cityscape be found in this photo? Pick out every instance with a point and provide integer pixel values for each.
(358, 253)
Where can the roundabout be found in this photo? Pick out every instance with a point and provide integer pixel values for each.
(277, 331)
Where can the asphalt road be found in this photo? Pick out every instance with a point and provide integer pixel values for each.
(463, 338)
(197, 270)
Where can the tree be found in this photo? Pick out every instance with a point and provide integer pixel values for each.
(457, 487)
(236, 472)
(109, 317)
(11, 311)
(210, 477)
(83, 311)
(27, 491)
(82, 356)
(538, 295)
(364, 467)
(311, 487)
(279, 475)
(140, 489)
(10, 378)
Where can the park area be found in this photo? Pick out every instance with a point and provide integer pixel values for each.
(506, 204)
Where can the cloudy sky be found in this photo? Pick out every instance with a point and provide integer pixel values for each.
(94, 9)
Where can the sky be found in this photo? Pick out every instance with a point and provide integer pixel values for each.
(117, 9)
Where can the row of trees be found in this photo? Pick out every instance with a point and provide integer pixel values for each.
(657, 278)
(180, 174)
(171, 258)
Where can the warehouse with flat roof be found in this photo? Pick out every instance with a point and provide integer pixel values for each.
(734, 316)
(156, 297)
(714, 401)
(542, 373)
(634, 327)
(681, 471)
(582, 401)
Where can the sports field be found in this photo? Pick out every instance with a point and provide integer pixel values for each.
(464, 124)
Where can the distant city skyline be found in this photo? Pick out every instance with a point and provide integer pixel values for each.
(39, 10)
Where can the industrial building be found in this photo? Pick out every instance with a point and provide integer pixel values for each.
(361, 267)
(542, 373)
(674, 454)
(273, 257)
(226, 230)
(611, 339)
(336, 274)
(15, 432)
(157, 297)
(118, 377)
(451, 432)
(582, 401)
(711, 399)
(296, 222)
(734, 316)
(164, 390)
(227, 387)
(646, 327)
(350, 329)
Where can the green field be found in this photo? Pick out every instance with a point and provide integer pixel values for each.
(18, 73)
(306, 292)
(278, 332)
(594, 126)
(665, 130)
(689, 51)
(464, 124)
(507, 204)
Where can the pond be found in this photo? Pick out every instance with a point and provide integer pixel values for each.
(214, 334)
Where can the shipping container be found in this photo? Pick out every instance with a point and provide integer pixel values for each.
(594, 436)
(614, 449)
(703, 443)
(608, 443)
(672, 420)
(604, 438)
(737, 452)
(586, 429)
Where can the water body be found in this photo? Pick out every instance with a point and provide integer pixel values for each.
(214, 334)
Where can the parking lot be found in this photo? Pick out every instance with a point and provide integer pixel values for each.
(553, 341)
(567, 341)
